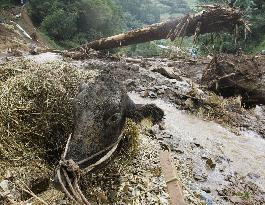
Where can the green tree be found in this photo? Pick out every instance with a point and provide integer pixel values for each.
(71, 22)
(60, 25)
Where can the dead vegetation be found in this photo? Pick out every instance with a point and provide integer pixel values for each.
(36, 117)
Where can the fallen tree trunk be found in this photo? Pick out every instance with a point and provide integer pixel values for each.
(214, 19)
(230, 75)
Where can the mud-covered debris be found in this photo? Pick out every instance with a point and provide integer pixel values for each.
(8, 191)
(168, 72)
(232, 76)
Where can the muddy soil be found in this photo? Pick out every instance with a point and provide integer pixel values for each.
(18, 35)
(224, 163)
(218, 161)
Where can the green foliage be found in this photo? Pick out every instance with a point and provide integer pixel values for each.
(71, 23)
(137, 13)
(60, 25)
(5, 3)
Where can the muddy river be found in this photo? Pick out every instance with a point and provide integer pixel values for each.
(195, 139)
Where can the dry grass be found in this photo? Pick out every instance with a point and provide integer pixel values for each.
(35, 116)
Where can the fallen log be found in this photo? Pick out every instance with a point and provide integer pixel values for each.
(230, 75)
(213, 19)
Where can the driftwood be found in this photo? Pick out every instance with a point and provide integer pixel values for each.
(230, 75)
(213, 19)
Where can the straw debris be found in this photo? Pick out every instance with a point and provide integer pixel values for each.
(36, 116)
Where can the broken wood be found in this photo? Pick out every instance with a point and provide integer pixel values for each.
(173, 185)
(213, 19)
(230, 75)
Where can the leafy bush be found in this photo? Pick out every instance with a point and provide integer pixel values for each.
(70, 23)
(60, 25)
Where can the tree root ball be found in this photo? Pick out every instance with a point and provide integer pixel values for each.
(237, 75)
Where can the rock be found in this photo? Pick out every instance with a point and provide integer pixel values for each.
(5, 185)
(236, 199)
(195, 144)
(161, 91)
(179, 150)
(130, 83)
(200, 176)
(144, 94)
(152, 95)
(7, 189)
(207, 198)
(207, 189)
(222, 168)
(210, 163)
(253, 176)
(162, 125)
(168, 72)
(221, 192)
(205, 154)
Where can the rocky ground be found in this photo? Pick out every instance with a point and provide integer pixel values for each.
(217, 145)
(219, 149)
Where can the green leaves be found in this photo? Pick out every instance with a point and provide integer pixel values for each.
(71, 22)
(60, 25)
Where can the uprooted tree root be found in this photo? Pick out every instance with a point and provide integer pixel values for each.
(237, 75)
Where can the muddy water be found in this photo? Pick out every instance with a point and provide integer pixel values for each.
(44, 57)
(246, 151)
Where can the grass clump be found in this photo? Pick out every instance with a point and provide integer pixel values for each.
(36, 109)
(131, 137)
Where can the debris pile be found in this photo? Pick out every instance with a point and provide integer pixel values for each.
(237, 75)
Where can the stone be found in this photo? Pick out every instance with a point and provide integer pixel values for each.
(200, 176)
(152, 95)
(207, 189)
(162, 125)
(253, 175)
(210, 163)
(144, 94)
